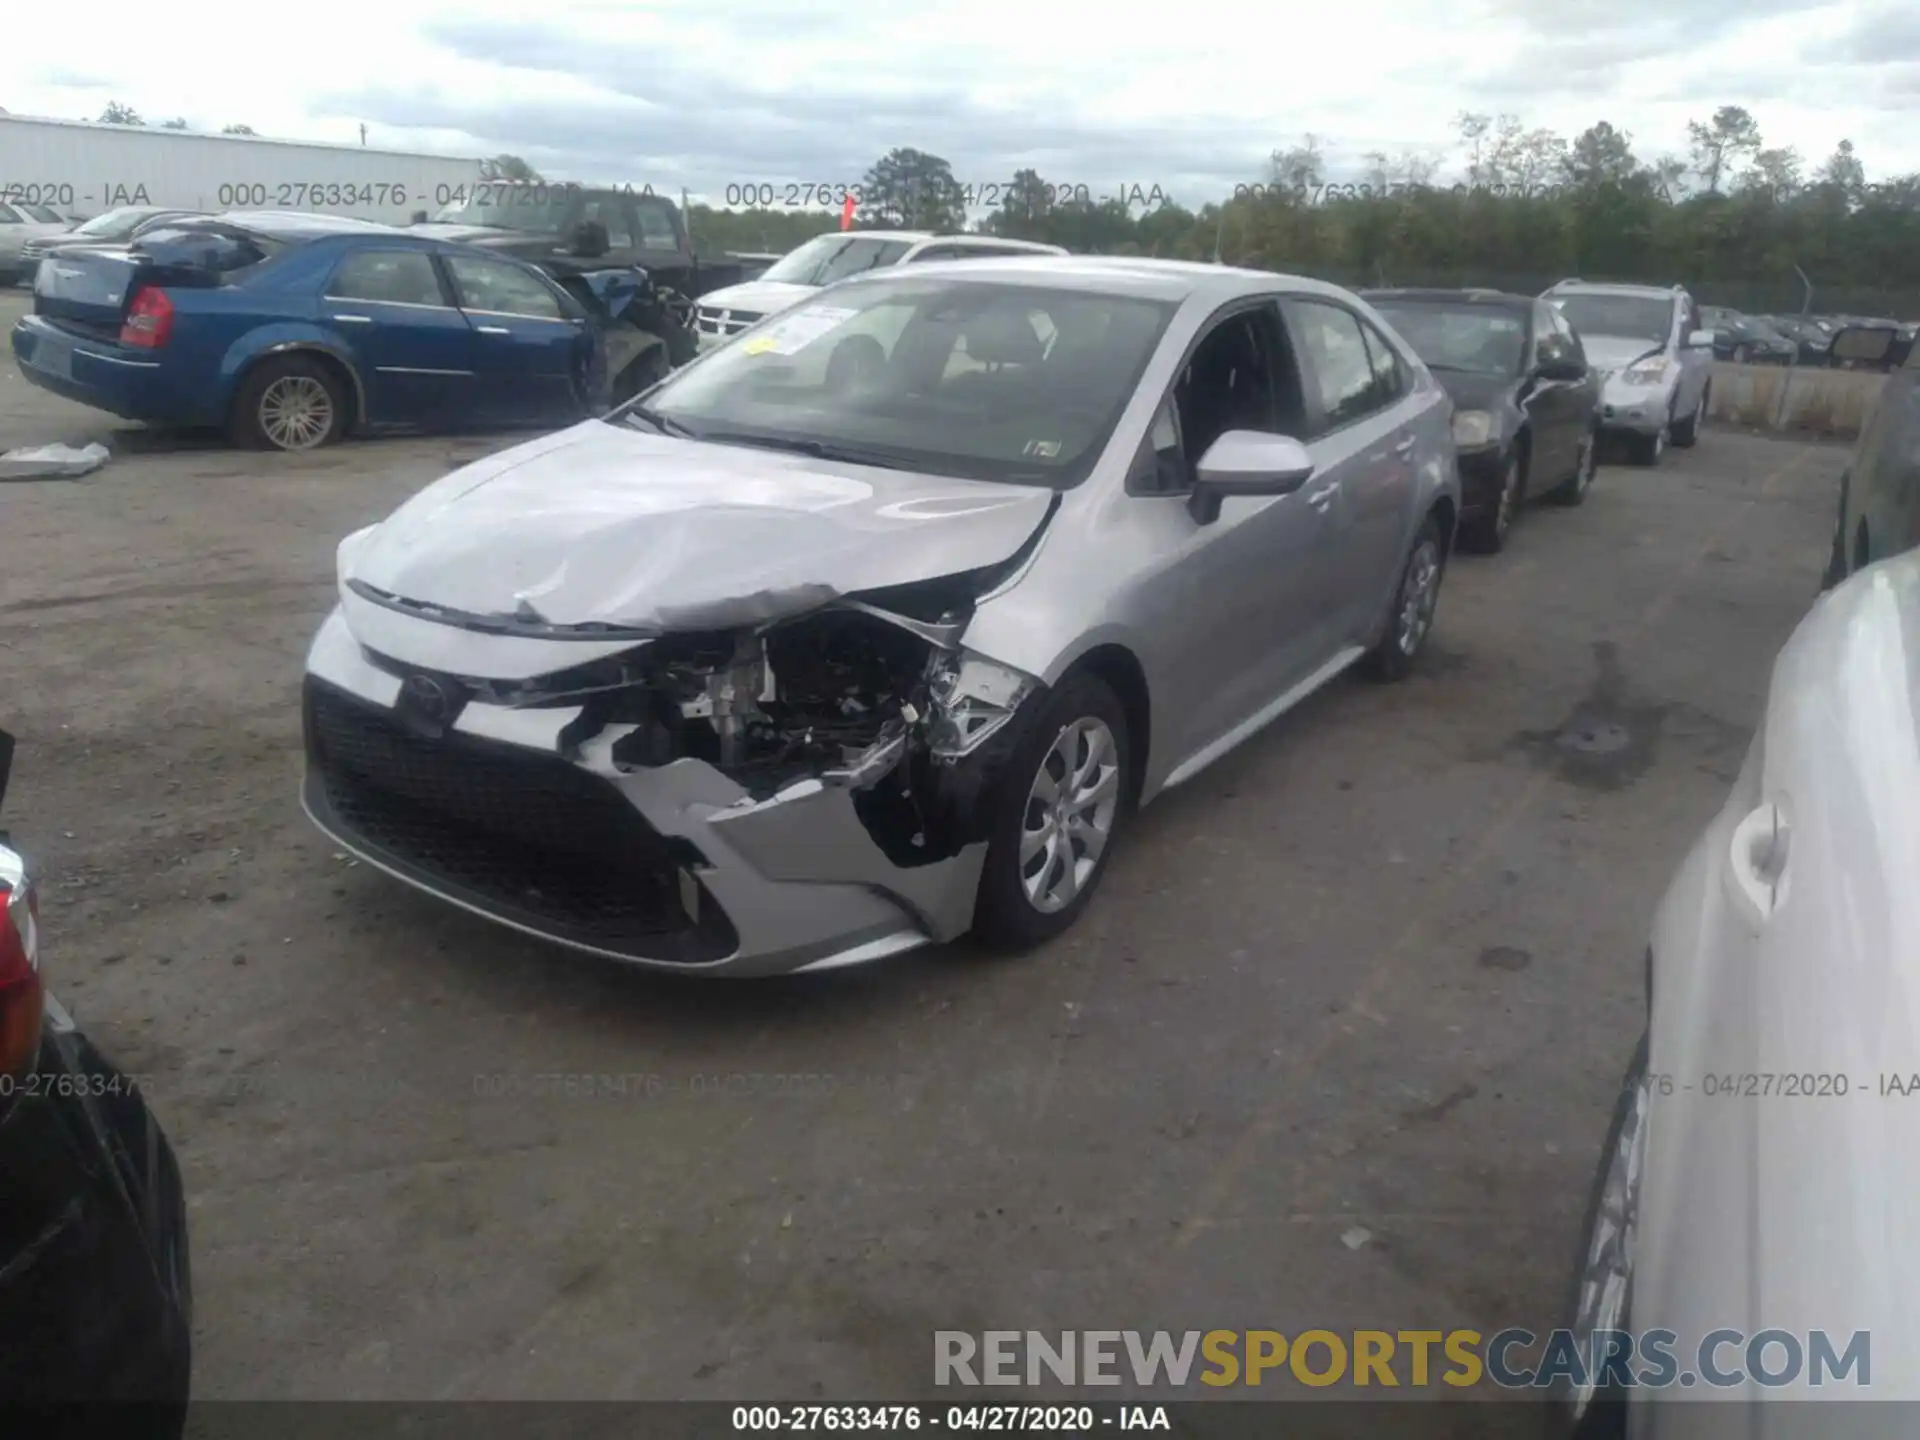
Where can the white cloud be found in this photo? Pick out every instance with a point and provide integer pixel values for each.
(1192, 97)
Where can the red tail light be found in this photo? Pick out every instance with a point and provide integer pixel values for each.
(20, 991)
(149, 319)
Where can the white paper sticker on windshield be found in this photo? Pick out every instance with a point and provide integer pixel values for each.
(1042, 449)
(795, 332)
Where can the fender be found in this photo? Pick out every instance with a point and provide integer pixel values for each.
(278, 339)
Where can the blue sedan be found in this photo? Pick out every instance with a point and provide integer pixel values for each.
(290, 330)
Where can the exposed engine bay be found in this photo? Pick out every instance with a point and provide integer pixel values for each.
(854, 695)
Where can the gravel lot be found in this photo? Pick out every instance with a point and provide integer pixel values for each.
(1380, 968)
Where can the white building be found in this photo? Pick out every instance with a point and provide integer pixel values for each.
(84, 168)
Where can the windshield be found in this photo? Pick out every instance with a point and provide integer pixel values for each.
(1489, 339)
(114, 225)
(535, 208)
(827, 258)
(990, 382)
(1620, 317)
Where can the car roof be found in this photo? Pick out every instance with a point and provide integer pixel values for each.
(1427, 296)
(1598, 287)
(1032, 247)
(1127, 275)
(300, 224)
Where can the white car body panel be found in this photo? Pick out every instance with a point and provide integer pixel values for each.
(1790, 1210)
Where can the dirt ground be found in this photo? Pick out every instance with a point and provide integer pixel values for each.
(1380, 968)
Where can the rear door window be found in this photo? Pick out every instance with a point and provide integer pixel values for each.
(387, 277)
(1340, 371)
(1389, 381)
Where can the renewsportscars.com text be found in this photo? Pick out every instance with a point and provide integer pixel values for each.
(1648, 1359)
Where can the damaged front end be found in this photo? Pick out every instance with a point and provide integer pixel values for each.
(873, 697)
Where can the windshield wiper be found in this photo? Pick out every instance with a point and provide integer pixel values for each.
(661, 423)
(819, 449)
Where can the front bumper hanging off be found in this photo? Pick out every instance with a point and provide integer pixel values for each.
(676, 866)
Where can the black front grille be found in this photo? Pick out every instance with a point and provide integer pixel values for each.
(525, 836)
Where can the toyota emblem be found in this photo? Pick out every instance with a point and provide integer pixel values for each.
(428, 696)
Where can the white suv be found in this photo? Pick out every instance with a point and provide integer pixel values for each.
(1654, 360)
(824, 259)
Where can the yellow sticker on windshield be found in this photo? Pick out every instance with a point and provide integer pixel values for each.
(760, 344)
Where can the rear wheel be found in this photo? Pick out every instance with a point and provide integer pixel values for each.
(1063, 799)
(1414, 602)
(1574, 490)
(289, 403)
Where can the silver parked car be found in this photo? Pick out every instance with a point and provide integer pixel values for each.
(19, 227)
(1654, 357)
(1761, 1172)
(103, 232)
(871, 627)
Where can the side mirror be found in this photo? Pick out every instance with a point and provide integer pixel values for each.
(1700, 340)
(590, 240)
(1246, 462)
(419, 218)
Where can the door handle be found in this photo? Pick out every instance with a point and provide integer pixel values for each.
(1404, 447)
(355, 319)
(493, 329)
(1323, 497)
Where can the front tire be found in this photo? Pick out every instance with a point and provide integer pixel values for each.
(289, 403)
(1414, 601)
(646, 371)
(1487, 535)
(1064, 797)
(1687, 432)
(1648, 450)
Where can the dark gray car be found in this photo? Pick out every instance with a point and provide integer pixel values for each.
(1880, 488)
(1526, 404)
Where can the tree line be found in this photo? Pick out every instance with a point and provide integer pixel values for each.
(1741, 223)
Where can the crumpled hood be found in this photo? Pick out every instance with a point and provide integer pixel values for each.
(604, 524)
(758, 297)
(1611, 352)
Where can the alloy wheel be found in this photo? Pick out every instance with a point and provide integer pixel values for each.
(1589, 463)
(296, 412)
(1069, 815)
(1419, 596)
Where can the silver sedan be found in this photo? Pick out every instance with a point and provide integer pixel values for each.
(874, 626)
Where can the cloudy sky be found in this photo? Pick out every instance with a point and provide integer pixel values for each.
(1189, 97)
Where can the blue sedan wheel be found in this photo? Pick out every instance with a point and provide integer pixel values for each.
(292, 403)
